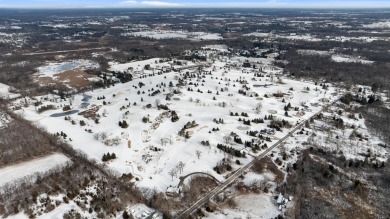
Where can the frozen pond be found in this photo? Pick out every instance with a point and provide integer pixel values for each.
(262, 85)
(67, 113)
(85, 101)
(243, 128)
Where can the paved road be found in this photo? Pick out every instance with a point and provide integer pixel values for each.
(201, 201)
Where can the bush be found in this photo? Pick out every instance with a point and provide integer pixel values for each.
(44, 108)
(66, 108)
(123, 124)
(145, 119)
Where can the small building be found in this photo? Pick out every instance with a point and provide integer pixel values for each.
(280, 200)
(172, 191)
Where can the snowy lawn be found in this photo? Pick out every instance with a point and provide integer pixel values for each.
(140, 150)
(12, 173)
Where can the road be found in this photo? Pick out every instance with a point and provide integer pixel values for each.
(201, 201)
(65, 51)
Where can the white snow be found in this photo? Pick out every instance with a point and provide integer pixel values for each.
(152, 167)
(136, 65)
(55, 68)
(313, 52)
(344, 58)
(12, 173)
(376, 25)
(5, 92)
(249, 206)
(171, 34)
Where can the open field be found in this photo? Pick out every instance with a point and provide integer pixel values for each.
(18, 172)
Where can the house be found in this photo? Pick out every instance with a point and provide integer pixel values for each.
(280, 200)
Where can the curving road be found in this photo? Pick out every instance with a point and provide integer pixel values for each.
(201, 201)
(182, 178)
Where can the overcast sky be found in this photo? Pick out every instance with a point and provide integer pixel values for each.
(195, 3)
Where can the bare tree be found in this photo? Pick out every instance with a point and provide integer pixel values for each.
(180, 166)
(103, 135)
(96, 136)
(198, 153)
(172, 173)
(227, 139)
(157, 102)
(258, 108)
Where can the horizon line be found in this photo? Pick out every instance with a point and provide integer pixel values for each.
(192, 7)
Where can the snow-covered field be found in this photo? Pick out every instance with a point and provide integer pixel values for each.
(164, 34)
(137, 65)
(381, 25)
(313, 52)
(52, 69)
(340, 58)
(5, 92)
(249, 206)
(136, 149)
(313, 38)
(19, 171)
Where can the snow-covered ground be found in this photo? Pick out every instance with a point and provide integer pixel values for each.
(340, 58)
(312, 38)
(139, 211)
(19, 171)
(249, 206)
(165, 34)
(376, 25)
(135, 152)
(51, 68)
(136, 65)
(313, 52)
(5, 92)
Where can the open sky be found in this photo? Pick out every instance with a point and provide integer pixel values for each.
(195, 3)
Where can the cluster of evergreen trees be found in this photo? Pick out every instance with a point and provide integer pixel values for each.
(219, 121)
(44, 108)
(62, 134)
(230, 150)
(362, 99)
(246, 122)
(236, 114)
(108, 156)
(174, 116)
(258, 120)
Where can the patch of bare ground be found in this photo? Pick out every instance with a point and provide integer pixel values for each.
(266, 164)
(197, 186)
(91, 113)
(75, 78)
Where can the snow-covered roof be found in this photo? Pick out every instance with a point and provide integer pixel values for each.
(280, 199)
